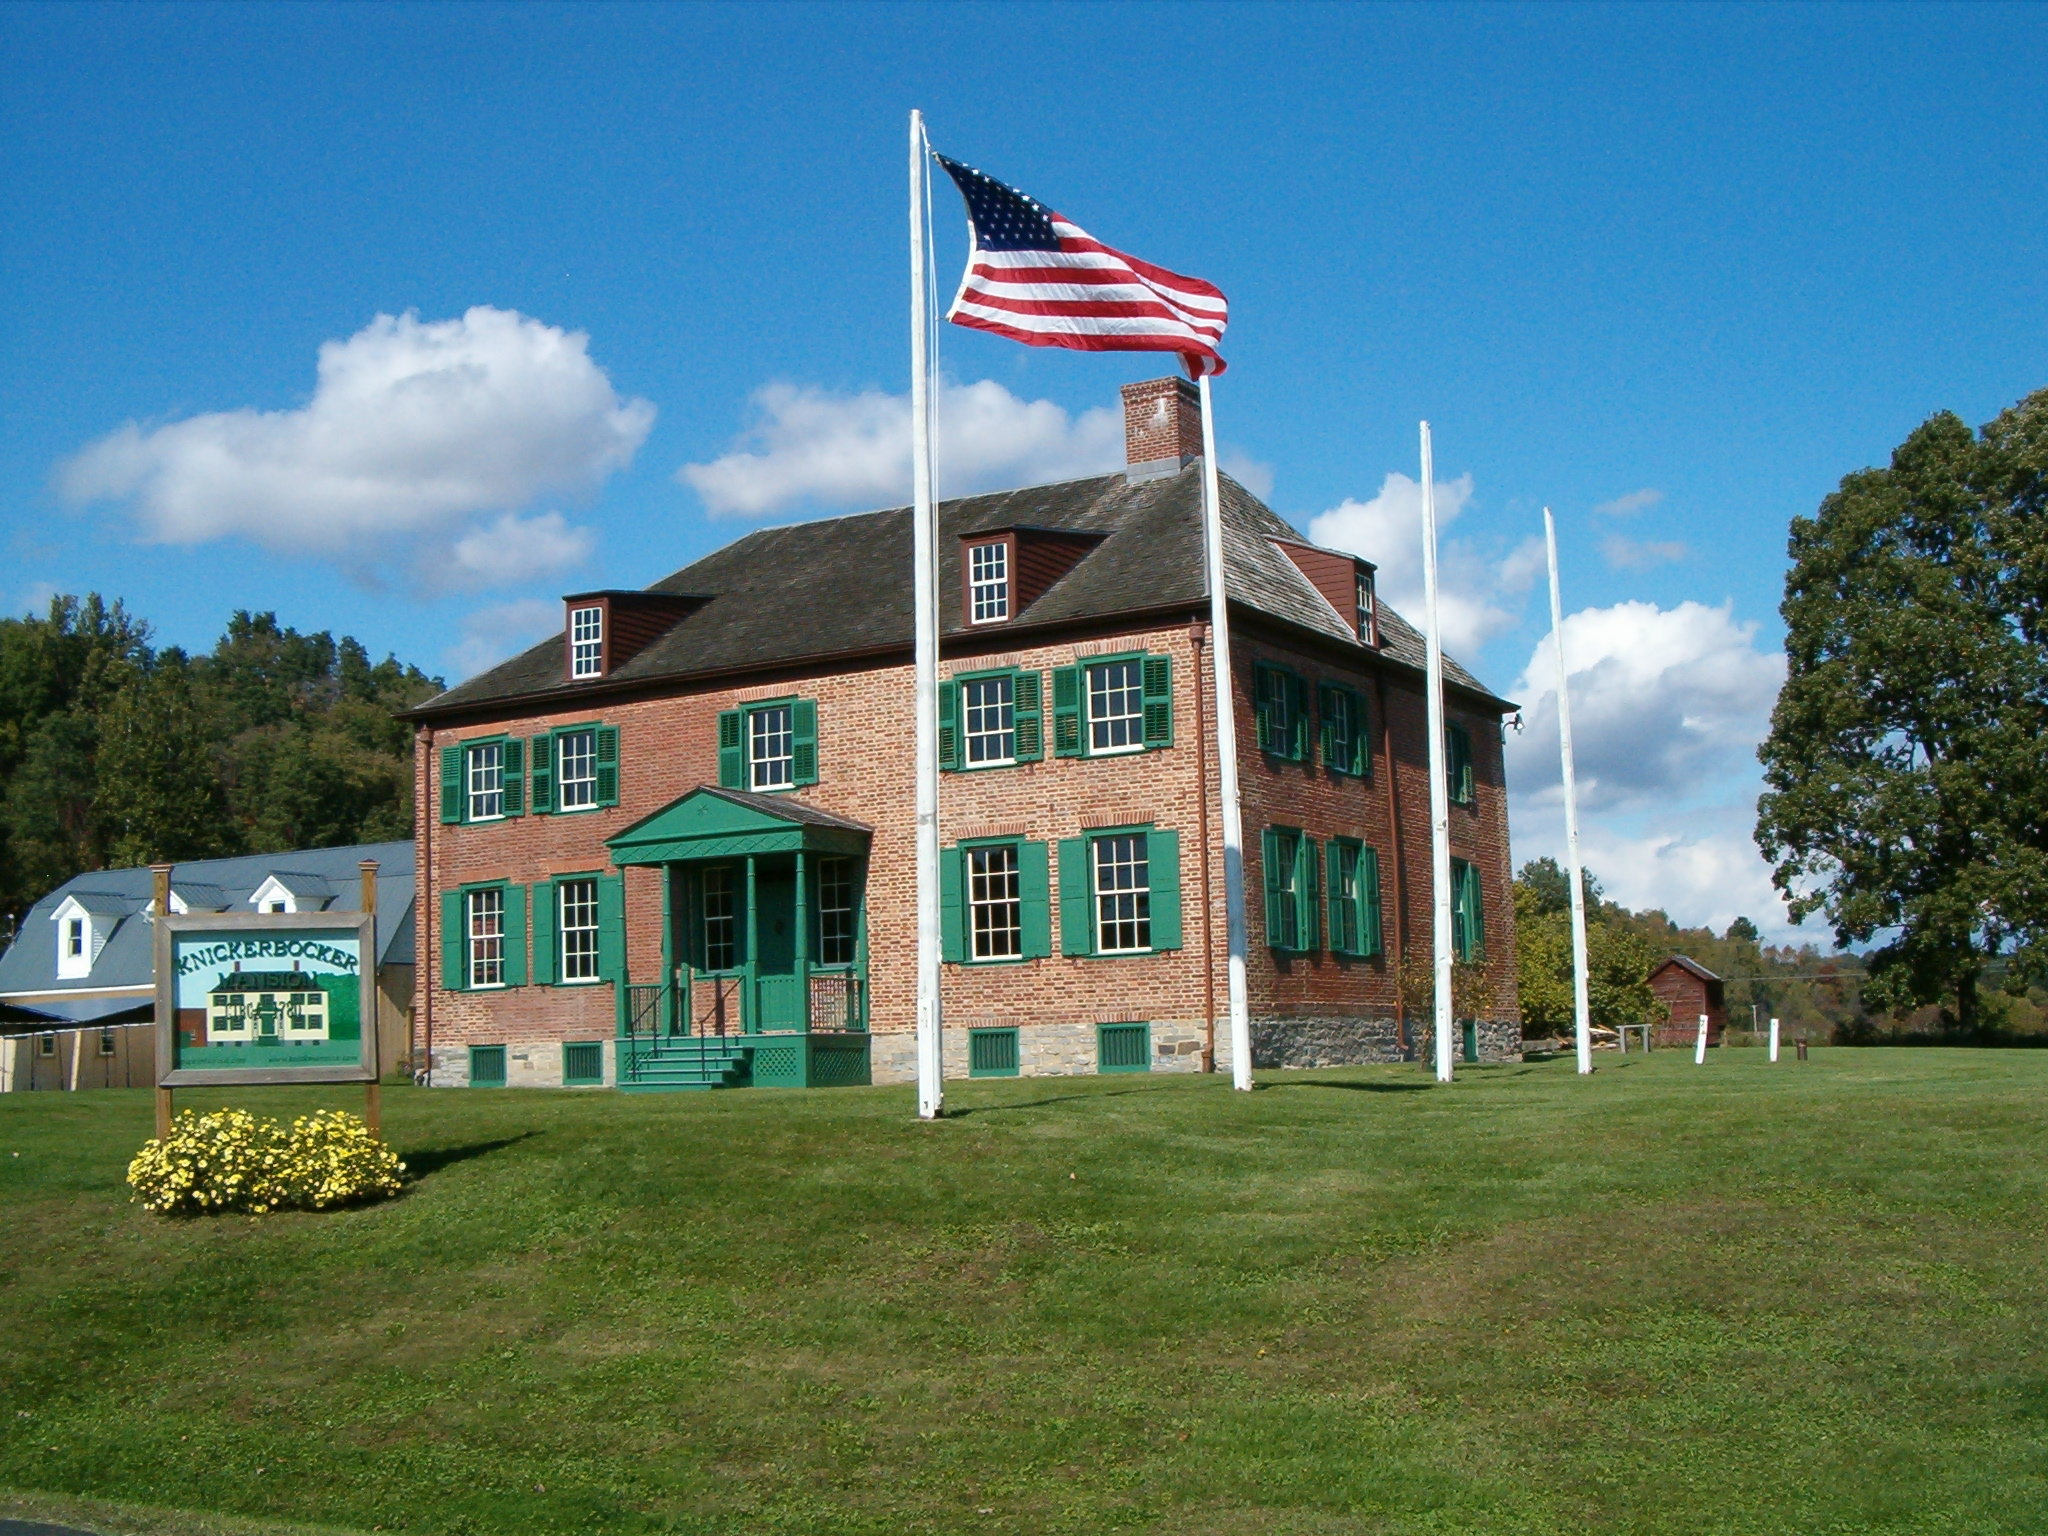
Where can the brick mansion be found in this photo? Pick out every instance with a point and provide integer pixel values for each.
(672, 846)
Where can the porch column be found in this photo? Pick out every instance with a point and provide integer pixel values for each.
(803, 944)
(750, 987)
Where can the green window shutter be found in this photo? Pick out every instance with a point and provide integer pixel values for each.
(1158, 679)
(1308, 906)
(513, 756)
(1077, 910)
(1025, 695)
(454, 951)
(607, 753)
(804, 750)
(949, 724)
(1034, 892)
(454, 796)
(1361, 741)
(1276, 906)
(1162, 854)
(540, 774)
(611, 927)
(1066, 716)
(1262, 707)
(1369, 901)
(1297, 689)
(544, 914)
(1327, 744)
(952, 924)
(732, 750)
(1475, 922)
(515, 935)
(1343, 905)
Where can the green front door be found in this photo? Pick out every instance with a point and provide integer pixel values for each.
(778, 985)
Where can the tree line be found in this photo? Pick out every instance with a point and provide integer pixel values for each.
(115, 752)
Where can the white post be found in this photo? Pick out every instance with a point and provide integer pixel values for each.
(1226, 753)
(1774, 1039)
(1582, 1011)
(1439, 789)
(931, 1088)
(1699, 1051)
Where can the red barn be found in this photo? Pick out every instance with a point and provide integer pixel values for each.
(1687, 989)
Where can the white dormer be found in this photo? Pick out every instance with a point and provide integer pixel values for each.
(83, 928)
(284, 891)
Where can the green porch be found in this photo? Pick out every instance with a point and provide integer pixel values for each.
(764, 946)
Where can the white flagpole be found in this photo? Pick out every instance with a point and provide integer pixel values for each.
(1439, 790)
(1226, 753)
(1582, 1009)
(931, 1088)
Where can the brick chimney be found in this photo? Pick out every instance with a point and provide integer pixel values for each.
(1162, 427)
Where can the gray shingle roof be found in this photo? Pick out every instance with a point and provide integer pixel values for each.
(811, 590)
(30, 964)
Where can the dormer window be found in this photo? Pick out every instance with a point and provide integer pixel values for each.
(586, 642)
(988, 581)
(1368, 610)
(74, 938)
(84, 921)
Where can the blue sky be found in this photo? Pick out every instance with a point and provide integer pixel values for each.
(1686, 265)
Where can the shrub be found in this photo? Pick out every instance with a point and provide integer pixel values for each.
(229, 1160)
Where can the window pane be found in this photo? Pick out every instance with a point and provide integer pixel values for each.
(996, 916)
(771, 747)
(1116, 707)
(576, 928)
(576, 770)
(1123, 894)
(486, 920)
(991, 721)
(835, 912)
(1289, 849)
(1275, 702)
(486, 781)
(1344, 914)
(586, 642)
(989, 581)
(720, 950)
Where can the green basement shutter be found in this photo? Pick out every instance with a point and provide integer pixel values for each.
(1034, 896)
(611, 927)
(804, 753)
(992, 1053)
(1077, 910)
(949, 724)
(1123, 1047)
(1369, 889)
(452, 797)
(607, 753)
(1025, 710)
(513, 756)
(1276, 906)
(952, 941)
(540, 770)
(487, 1066)
(515, 935)
(1162, 851)
(453, 950)
(732, 752)
(582, 1063)
(1343, 903)
(1066, 714)
(544, 913)
(1158, 678)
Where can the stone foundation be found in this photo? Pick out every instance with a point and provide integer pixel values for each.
(1354, 1041)
(1043, 1050)
(528, 1064)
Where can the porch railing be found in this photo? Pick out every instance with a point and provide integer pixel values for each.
(695, 1004)
(838, 1001)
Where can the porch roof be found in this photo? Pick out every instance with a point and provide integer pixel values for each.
(713, 823)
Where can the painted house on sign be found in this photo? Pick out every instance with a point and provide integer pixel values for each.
(1686, 989)
(673, 845)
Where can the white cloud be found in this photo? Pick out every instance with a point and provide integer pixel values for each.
(815, 447)
(1634, 501)
(35, 599)
(514, 549)
(489, 635)
(1626, 554)
(1255, 475)
(1471, 588)
(1665, 702)
(413, 427)
(1709, 873)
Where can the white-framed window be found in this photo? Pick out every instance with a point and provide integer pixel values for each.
(995, 907)
(721, 931)
(47, 1044)
(988, 582)
(989, 704)
(1367, 609)
(576, 928)
(1123, 894)
(484, 925)
(106, 1042)
(74, 938)
(771, 747)
(835, 912)
(278, 906)
(485, 771)
(576, 770)
(586, 642)
(1116, 707)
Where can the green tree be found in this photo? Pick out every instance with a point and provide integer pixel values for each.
(1618, 958)
(1905, 796)
(159, 794)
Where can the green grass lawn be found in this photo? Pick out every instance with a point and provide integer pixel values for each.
(1738, 1298)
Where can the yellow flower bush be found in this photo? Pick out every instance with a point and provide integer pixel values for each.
(229, 1160)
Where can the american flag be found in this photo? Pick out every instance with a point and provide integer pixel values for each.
(1040, 280)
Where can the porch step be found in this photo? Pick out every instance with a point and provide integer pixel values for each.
(682, 1064)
